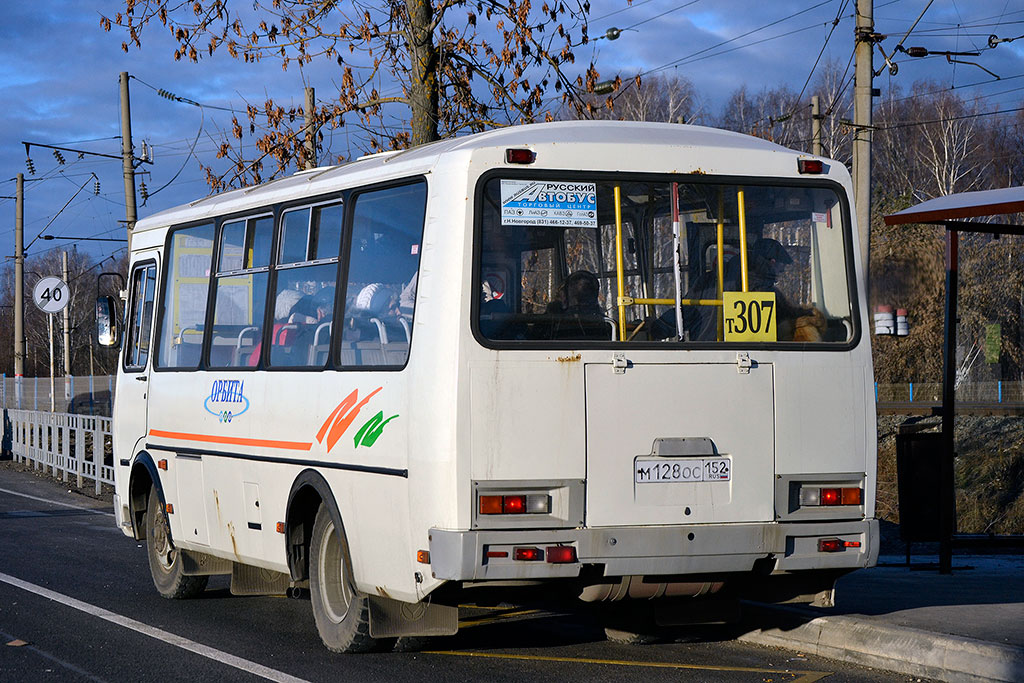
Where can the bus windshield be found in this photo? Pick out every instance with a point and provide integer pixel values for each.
(698, 262)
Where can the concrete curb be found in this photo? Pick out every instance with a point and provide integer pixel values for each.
(910, 651)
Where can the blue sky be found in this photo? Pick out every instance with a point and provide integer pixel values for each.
(59, 84)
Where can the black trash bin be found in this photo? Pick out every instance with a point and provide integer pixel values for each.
(919, 483)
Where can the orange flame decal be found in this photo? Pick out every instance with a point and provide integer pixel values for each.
(342, 417)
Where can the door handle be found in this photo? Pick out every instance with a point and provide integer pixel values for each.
(141, 378)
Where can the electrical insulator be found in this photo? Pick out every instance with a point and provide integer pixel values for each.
(58, 156)
(31, 167)
(144, 191)
(96, 188)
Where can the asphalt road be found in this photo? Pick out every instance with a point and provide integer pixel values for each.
(77, 604)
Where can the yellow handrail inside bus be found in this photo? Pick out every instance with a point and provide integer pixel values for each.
(721, 262)
(629, 301)
(620, 274)
(742, 207)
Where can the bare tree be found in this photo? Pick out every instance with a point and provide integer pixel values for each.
(772, 114)
(836, 104)
(655, 98)
(489, 63)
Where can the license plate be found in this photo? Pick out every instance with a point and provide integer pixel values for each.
(661, 470)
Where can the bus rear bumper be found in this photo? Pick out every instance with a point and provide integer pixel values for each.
(481, 555)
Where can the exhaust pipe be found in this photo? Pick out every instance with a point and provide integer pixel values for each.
(639, 588)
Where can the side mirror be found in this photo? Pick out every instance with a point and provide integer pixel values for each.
(106, 321)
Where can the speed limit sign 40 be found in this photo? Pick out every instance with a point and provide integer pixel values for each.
(51, 294)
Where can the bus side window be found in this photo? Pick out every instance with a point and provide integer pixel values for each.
(383, 273)
(304, 298)
(241, 292)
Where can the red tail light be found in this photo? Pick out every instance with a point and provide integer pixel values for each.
(527, 554)
(560, 554)
(513, 505)
(829, 545)
(830, 496)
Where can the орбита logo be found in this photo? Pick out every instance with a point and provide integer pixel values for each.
(227, 399)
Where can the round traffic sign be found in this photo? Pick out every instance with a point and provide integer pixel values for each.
(51, 294)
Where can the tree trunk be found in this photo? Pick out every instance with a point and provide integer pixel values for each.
(423, 95)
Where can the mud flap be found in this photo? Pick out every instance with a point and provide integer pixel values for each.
(201, 564)
(249, 580)
(393, 618)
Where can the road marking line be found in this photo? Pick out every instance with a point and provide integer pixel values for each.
(500, 617)
(56, 502)
(804, 676)
(153, 632)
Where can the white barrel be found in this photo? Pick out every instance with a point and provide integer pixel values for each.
(902, 326)
(885, 321)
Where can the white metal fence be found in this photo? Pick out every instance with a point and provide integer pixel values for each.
(88, 395)
(68, 445)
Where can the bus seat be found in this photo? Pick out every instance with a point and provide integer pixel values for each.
(188, 347)
(395, 353)
(245, 345)
(321, 346)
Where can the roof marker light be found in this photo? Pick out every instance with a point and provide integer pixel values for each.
(810, 165)
(423, 556)
(520, 156)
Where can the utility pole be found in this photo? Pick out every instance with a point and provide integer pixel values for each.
(816, 125)
(310, 133)
(862, 92)
(19, 289)
(67, 329)
(128, 159)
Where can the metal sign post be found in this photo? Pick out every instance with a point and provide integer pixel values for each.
(51, 295)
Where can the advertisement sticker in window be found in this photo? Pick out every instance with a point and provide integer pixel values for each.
(549, 203)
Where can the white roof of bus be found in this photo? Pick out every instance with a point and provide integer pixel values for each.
(422, 159)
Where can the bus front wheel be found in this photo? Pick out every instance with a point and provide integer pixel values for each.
(341, 613)
(164, 560)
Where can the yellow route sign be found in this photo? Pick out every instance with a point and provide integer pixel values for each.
(750, 316)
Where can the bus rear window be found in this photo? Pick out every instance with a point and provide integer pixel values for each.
(690, 262)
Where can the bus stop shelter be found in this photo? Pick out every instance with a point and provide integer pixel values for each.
(972, 212)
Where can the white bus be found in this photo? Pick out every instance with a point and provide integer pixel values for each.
(617, 361)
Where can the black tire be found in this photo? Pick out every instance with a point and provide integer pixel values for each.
(341, 613)
(164, 559)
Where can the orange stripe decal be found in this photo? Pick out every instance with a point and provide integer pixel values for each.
(234, 441)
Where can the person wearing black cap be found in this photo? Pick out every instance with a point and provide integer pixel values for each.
(767, 261)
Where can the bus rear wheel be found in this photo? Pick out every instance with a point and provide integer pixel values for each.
(341, 613)
(165, 562)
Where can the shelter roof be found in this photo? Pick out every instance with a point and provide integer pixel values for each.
(962, 205)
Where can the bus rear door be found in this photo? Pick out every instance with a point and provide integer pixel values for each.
(679, 443)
